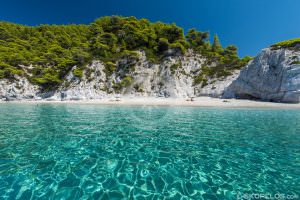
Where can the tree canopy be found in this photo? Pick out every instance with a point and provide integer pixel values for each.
(48, 52)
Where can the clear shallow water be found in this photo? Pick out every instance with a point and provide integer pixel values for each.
(99, 152)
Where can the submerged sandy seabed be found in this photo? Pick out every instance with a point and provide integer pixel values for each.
(152, 101)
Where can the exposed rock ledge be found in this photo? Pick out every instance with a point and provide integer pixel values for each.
(19, 89)
(274, 75)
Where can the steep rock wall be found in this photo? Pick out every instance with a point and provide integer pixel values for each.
(274, 75)
(173, 77)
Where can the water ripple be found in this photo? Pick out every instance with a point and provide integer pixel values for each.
(102, 152)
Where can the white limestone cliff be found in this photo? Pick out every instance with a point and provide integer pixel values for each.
(19, 89)
(171, 78)
(274, 75)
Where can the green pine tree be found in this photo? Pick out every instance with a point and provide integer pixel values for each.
(216, 47)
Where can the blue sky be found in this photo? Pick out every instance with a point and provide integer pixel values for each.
(249, 24)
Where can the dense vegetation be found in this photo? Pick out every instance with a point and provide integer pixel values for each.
(288, 43)
(48, 52)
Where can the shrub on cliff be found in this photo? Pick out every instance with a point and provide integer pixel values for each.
(288, 43)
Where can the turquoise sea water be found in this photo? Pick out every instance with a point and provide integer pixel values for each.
(102, 152)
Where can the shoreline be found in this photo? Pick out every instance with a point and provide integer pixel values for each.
(153, 101)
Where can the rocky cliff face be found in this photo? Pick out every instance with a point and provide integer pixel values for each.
(19, 89)
(274, 75)
(173, 77)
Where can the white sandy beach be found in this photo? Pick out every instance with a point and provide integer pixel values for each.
(152, 101)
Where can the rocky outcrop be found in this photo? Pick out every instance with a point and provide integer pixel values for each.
(274, 75)
(216, 87)
(19, 89)
(91, 86)
(173, 77)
